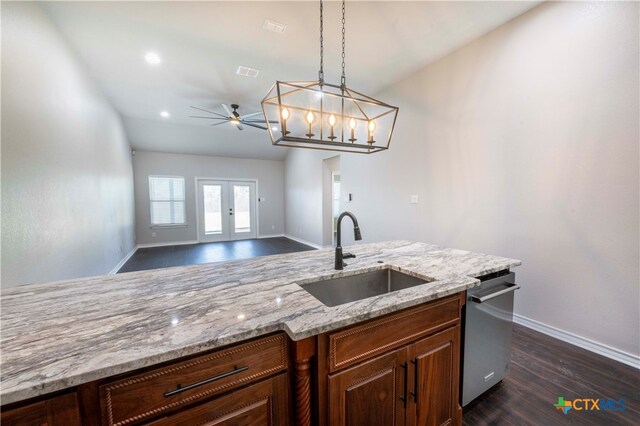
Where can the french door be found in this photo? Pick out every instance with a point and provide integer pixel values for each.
(226, 210)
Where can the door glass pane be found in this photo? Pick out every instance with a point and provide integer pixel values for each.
(212, 209)
(242, 208)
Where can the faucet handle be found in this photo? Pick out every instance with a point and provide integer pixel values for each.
(348, 256)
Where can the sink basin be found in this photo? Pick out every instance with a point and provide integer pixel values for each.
(336, 291)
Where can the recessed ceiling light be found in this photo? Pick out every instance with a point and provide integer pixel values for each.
(152, 58)
(247, 71)
(164, 114)
(274, 128)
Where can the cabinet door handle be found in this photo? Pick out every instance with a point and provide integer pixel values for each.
(180, 389)
(403, 398)
(414, 394)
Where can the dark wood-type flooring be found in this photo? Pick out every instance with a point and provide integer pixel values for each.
(544, 368)
(191, 254)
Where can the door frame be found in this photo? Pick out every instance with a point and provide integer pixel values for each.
(227, 179)
(334, 228)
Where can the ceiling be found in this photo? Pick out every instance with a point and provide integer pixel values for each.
(201, 45)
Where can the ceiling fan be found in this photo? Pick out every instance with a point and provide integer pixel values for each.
(233, 117)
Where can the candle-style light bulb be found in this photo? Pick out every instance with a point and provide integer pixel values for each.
(332, 122)
(310, 118)
(352, 125)
(284, 114)
(372, 127)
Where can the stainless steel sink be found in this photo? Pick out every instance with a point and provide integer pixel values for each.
(336, 291)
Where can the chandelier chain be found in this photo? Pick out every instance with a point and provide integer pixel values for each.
(321, 72)
(343, 80)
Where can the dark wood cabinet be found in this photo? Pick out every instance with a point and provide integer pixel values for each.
(265, 403)
(370, 393)
(399, 370)
(433, 372)
(58, 411)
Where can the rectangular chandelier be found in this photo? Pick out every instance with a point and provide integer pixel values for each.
(319, 115)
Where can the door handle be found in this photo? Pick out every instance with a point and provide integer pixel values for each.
(414, 394)
(510, 287)
(403, 398)
(180, 389)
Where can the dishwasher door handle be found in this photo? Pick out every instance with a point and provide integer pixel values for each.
(510, 288)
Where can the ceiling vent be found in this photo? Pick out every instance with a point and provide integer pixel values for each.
(247, 72)
(274, 26)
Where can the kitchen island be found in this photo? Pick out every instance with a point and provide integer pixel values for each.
(62, 335)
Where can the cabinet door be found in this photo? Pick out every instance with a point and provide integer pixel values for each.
(370, 393)
(61, 410)
(433, 379)
(263, 403)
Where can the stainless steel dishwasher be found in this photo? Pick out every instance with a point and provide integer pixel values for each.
(488, 324)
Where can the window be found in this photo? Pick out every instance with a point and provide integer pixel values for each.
(166, 198)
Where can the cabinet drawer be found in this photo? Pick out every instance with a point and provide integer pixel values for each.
(165, 389)
(354, 344)
(265, 403)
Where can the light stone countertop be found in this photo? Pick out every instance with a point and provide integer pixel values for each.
(63, 334)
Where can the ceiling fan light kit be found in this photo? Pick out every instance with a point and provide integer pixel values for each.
(320, 115)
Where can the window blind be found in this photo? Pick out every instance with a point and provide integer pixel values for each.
(166, 199)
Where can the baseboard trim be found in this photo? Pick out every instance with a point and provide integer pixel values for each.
(270, 236)
(172, 243)
(300, 240)
(123, 261)
(582, 342)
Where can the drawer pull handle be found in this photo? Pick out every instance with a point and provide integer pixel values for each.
(180, 389)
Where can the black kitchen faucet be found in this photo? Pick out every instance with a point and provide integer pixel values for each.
(356, 234)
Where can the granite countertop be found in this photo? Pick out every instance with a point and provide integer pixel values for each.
(63, 334)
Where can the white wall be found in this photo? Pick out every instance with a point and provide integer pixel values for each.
(67, 185)
(524, 143)
(270, 176)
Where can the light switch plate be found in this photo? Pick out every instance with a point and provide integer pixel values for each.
(414, 199)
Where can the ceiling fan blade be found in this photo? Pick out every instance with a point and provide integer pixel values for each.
(209, 118)
(227, 110)
(218, 123)
(253, 114)
(257, 121)
(206, 110)
(255, 125)
(239, 126)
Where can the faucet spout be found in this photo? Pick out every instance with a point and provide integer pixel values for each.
(339, 258)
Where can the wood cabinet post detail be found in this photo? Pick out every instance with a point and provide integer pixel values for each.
(303, 351)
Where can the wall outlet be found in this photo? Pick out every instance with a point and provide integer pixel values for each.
(414, 199)
(153, 234)
(273, 227)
